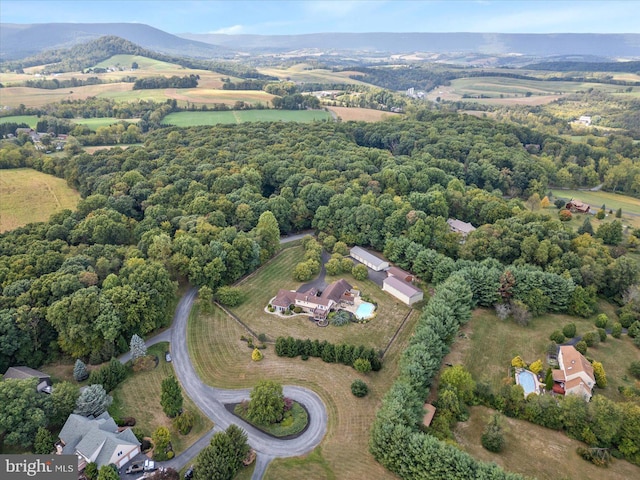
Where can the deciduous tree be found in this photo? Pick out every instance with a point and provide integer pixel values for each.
(266, 403)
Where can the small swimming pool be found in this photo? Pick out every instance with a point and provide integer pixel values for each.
(528, 381)
(365, 310)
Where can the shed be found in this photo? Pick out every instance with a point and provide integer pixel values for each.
(22, 373)
(430, 411)
(403, 291)
(369, 259)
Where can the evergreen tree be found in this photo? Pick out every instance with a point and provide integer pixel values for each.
(171, 398)
(222, 459)
(93, 401)
(80, 372)
(137, 347)
(43, 443)
(586, 227)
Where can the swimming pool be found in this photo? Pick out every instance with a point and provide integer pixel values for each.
(528, 381)
(365, 310)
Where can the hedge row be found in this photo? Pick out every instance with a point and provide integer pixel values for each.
(342, 353)
(396, 439)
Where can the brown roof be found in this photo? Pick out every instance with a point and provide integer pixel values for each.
(430, 411)
(398, 272)
(284, 298)
(401, 286)
(336, 290)
(576, 382)
(573, 361)
(558, 375)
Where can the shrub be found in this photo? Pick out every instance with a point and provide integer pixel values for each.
(602, 320)
(229, 296)
(616, 330)
(565, 215)
(520, 312)
(557, 337)
(634, 329)
(359, 388)
(626, 319)
(581, 346)
(184, 422)
(80, 373)
(598, 372)
(559, 203)
(518, 362)
(262, 337)
(503, 310)
(492, 437)
(600, 215)
(591, 338)
(360, 272)
(256, 355)
(602, 334)
(362, 365)
(634, 369)
(170, 454)
(340, 318)
(569, 330)
(536, 367)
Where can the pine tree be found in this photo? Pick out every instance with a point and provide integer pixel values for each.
(43, 444)
(586, 227)
(80, 372)
(171, 398)
(93, 401)
(137, 347)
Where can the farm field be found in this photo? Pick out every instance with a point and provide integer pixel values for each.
(28, 196)
(139, 397)
(265, 283)
(487, 344)
(30, 120)
(37, 97)
(361, 114)
(535, 451)
(189, 119)
(303, 72)
(221, 359)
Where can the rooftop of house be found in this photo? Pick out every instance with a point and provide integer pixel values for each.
(460, 226)
(336, 290)
(22, 373)
(573, 361)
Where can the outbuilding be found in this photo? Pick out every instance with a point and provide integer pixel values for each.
(369, 259)
(403, 291)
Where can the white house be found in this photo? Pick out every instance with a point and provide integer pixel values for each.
(369, 259)
(575, 375)
(402, 290)
(97, 440)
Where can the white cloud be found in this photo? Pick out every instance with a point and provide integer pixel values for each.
(233, 30)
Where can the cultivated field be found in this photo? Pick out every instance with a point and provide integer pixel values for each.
(361, 114)
(264, 284)
(28, 196)
(190, 119)
(487, 345)
(139, 396)
(536, 451)
(303, 72)
(30, 120)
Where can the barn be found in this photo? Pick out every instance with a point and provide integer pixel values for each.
(403, 291)
(369, 259)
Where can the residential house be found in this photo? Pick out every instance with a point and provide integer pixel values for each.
(22, 373)
(402, 290)
(575, 375)
(97, 440)
(458, 226)
(577, 206)
(369, 259)
(584, 120)
(316, 305)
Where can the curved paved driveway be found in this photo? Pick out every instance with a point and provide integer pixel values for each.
(210, 400)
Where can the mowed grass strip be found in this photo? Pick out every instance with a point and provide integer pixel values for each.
(264, 284)
(223, 360)
(535, 451)
(30, 120)
(139, 396)
(190, 119)
(488, 344)
(28, 196)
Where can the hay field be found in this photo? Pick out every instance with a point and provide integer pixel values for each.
(28, 196)
(190, 119)
(37, 97)
(303, 72)
(30, 120)
(361, 114)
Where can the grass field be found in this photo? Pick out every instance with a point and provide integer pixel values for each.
(361, 114)
(28, 196)
(189, 119)
(303, 72)
(264, 284)
(536, 451)
(94, 123)
(597, 199)
(139, 396)
(488, 344)
(30, 120)
(222, 359)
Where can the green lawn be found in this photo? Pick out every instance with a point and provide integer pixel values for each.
(139, 397)
(30, 120)
(597, 199)
(189, 119)
(486, 346)
(94, 123)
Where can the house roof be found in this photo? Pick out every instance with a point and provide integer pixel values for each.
(398, 272)
(460, 226)
(367, 256)
(284, 298)
(24, 372)
(576, 382)
(558, 375)
(401, 286)
(336, 290)
(573, 362)
(578, 204)
(430, 411)
(94, 435)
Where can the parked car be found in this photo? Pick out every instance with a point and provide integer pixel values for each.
(135, 468)
(149, 466)
(167, 356)
(188, 475)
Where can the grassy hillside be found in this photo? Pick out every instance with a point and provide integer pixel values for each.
(28, 196)
(190, 119)
(30, 120)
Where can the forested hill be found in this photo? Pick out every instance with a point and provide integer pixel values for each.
(86, 55)
(19, 41)
(568, 66)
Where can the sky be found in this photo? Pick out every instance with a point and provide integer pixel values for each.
(297, 17)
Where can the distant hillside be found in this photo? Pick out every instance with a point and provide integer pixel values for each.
(20, 41)
(544, 45)
(568, 66)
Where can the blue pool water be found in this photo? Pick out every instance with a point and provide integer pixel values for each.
(365, 310)
(527, 380)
